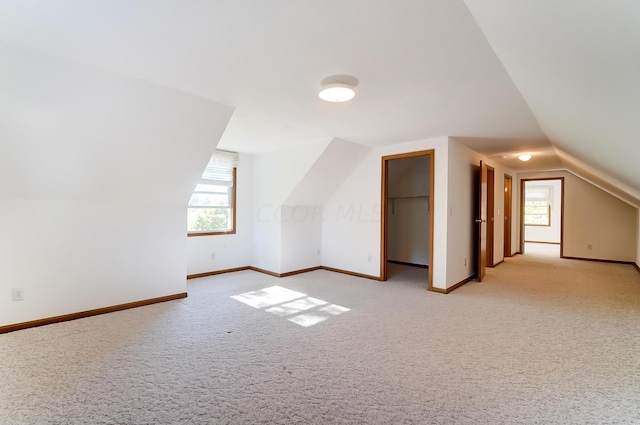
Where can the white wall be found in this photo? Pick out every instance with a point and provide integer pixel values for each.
(408, 210)
(351, 226)
(464, 172)
(301, 237)
(290, 186)
(463, 177)
(275, 177)
(72, 256)
(95, 173)
(228, 251)
(301, 214)
(351, 221)
(596, 218)
(326, 174)
(550, 234)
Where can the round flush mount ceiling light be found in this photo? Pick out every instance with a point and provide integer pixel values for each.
(338, 88)
(524, 157)
(337, 93)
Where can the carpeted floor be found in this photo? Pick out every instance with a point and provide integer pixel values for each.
(545, 249)
(540, 341)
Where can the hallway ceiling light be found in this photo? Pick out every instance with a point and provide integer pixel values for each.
(338, 88)
(524, 157)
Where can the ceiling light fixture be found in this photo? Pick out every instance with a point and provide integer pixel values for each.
(524, 157)
(337, 93)
(338, 88)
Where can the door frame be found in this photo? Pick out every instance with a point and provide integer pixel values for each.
(384, 218)
(482, 221)
(508, 219)
(491, 216)
(522, 194)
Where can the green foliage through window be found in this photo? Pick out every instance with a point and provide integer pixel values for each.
(537, 213)
(210, 209)
(208, 219)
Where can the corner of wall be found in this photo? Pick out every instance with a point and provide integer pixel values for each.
(638, 240)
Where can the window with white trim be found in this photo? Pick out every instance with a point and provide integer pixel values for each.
(212, 206)
(537, 205)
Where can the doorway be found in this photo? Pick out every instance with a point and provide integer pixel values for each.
(491, 182)
(485, 221)
(542, 216)
(407, 212)
(508, 199)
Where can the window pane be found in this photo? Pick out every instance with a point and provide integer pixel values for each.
(211, 207)
(208, 219)
(209, 200)
(211, 188)
(537, 193)
(536, 213)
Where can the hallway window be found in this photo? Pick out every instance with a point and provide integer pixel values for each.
(211, 209)
(537, 206)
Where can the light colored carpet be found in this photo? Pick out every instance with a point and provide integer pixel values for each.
(541, 341)
(533, 248)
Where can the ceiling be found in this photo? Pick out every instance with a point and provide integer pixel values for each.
(577, 64)
(502, 77)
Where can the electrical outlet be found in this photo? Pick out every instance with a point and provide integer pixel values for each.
(589, 246)
(18, 294)
(369, 259)
(318, 251)
(465, 261)
(213, 255)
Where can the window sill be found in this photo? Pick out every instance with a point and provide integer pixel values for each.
(229, 232)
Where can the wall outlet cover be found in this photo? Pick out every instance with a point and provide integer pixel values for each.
(17, 294)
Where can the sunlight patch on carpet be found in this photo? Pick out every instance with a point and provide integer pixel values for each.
(284, 302)
(268, 297)
(296, 306)
(334, 309)
(307, 320)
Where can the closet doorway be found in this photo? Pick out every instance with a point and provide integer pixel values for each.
(406, 213)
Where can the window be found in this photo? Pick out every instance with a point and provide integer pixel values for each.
(212, 206)
(537, 206)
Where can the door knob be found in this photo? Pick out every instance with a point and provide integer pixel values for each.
(481, 221)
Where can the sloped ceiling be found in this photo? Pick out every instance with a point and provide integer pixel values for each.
(577, 64)
(315, 188)
(424, 67)
(502, 76)
(73, 132)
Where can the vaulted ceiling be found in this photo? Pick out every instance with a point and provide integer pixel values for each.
(556, 78)
(577, 65)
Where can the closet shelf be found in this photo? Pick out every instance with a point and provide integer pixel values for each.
(392, 200)
(409, 197)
